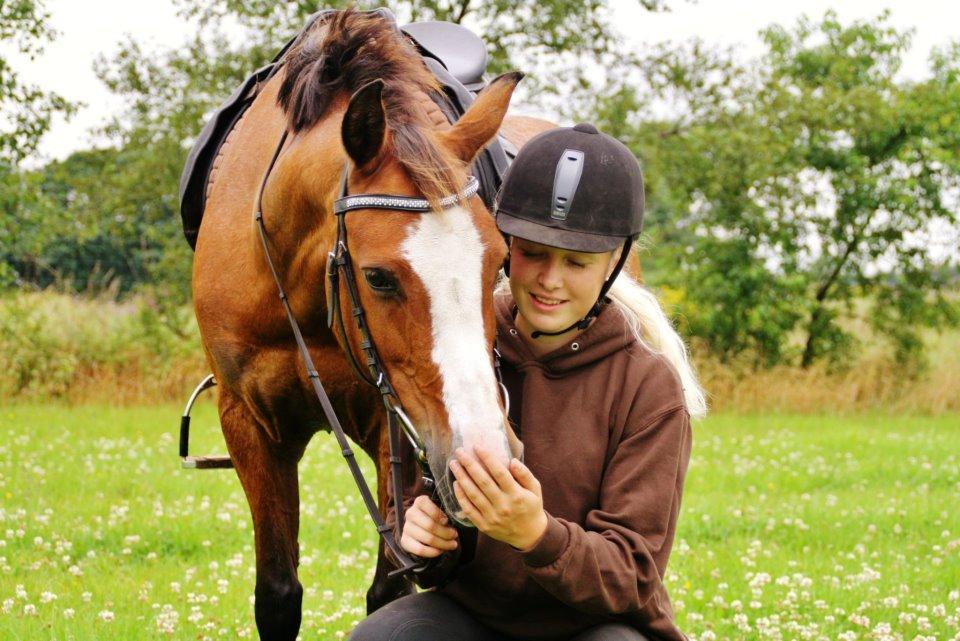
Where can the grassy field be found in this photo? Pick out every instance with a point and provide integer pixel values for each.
(793, 527)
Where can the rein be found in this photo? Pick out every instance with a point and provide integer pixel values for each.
(339, 261)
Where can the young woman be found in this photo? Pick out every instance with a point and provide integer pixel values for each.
(573, 542)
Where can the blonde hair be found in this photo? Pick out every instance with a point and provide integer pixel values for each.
(652, 329)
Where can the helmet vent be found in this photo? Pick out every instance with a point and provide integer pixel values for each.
(566, 179)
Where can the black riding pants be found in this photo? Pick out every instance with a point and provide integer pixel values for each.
(429, 616)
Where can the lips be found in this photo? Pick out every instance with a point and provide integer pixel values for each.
(546, 302)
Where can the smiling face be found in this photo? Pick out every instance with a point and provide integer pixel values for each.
(554, 288)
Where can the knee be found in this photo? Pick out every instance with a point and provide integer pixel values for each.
(280, 595)
(411, 618)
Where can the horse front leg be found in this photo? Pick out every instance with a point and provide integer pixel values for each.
(268, 474)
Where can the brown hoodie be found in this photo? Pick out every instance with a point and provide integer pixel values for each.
(606, 433)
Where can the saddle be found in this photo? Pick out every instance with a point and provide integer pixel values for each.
(454, 54)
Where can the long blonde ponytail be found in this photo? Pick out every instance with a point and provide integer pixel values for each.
(651, 327)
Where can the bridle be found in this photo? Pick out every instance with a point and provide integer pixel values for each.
(339, 267)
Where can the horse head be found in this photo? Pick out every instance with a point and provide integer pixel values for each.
(424, 281)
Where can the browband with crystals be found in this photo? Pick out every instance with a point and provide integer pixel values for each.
(404, 203)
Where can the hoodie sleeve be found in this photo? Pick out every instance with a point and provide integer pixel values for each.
(615, 562)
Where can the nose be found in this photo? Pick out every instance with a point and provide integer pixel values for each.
(549, 277)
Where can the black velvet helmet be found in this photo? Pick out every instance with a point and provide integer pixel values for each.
(574, 188)
(577, 189)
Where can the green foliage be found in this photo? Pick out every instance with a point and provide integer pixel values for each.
(789, 186)
(25, 110)
(48, 341)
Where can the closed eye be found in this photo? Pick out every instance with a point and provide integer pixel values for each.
(382, 281)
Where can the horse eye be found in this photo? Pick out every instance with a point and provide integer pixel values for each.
(381, 281)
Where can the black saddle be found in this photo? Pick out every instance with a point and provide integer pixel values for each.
(454, 54)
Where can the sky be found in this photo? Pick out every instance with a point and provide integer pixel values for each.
(92, 28)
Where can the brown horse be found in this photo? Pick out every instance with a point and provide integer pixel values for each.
(425, 280)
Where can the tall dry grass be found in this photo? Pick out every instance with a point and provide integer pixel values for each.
(60, 347)
(76, 350)
(871, 383)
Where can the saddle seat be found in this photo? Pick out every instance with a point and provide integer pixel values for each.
(461, 50)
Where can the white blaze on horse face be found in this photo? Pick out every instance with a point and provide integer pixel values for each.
(445, 251)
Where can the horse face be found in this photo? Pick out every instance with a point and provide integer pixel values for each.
(426, 284)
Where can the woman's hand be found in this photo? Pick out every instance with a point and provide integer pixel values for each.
(425, 530)
(504, 503)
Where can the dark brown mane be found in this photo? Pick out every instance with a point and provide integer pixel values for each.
(345, 52)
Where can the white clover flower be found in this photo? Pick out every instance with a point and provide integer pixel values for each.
(86, 596)
(860, 619)
(167, 619)
(106, 615)
(47, 597)
(68, 613)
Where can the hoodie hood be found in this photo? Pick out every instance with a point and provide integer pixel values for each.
(607, 334)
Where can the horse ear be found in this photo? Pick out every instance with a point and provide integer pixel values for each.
(482, 120)
(364, 124)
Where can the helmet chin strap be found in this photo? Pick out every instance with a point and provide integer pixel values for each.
(584, 322)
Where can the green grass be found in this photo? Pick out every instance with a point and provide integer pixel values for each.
(793, 527)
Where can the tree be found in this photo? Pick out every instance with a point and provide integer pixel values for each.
(796, 187)
(25, 115)
(25, 110)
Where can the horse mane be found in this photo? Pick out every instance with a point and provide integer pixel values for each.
(345, 52)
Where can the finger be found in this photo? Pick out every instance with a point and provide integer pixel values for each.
(524, 476)
(411, 545)
(427, 538)
(426, 522)
(480, 479)
(470, 489)
(429, 507)
(469, 509)
(495, 467)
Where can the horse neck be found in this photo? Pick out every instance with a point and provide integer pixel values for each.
(302, 227)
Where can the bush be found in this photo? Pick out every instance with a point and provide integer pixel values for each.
(59, 346)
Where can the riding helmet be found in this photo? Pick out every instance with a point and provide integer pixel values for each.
(574, 188)
(577, 189)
